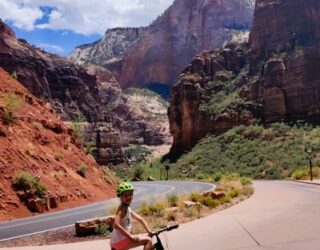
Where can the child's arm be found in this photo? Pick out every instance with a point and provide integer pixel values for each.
(141, 221)
(117, 225)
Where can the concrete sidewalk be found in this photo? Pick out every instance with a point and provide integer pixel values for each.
(279, 216)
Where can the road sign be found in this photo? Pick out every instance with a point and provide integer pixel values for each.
(309, 150)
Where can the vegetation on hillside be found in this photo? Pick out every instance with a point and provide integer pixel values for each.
(272, 152)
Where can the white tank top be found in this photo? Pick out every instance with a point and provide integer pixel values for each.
(126, 224)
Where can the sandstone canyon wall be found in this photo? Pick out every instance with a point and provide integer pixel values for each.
(160, 51)
(272, 78)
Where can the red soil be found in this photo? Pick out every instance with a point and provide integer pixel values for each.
(38, 142)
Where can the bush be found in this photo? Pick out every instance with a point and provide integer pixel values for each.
(154, 209)
(76, 125)
(209, 202)
(225, 199)
(304, 173)
(89, 148)
(40, 189)
(173, 200)
(190, 212)
(245, 181)
(217, 176)
(82, 170)
(157, 210)
(234, 193)
(11, 103)
(195, 197)
(171, 216)
(138, 173)
(25, 181)
(101, 229)
(200, 176)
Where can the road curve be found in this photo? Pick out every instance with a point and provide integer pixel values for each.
(45, 222)
(279, 216)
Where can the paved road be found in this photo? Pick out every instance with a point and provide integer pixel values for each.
(279, 216)
(145, 190)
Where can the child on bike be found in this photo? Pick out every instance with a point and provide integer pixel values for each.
(121, 238)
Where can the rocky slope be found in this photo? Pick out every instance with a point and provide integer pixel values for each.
(35, 140)
(162, 49)
(273, 77)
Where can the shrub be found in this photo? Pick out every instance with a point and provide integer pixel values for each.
(195, 197)
(144, 209)
(225, 199)
(217, 176)
(82, 170)
(138, 173)
(253, 132)
(234, 193)
(89, 148)
(25, 181)
(173, 200)
(40, 189)
(209, 202)
(157, 210)
(154, 209)
(247, 190)
(76, 125)
(245, 181)
(190, 212)
(200, 176)
(11, 103)
(101, 229)
(171, 216)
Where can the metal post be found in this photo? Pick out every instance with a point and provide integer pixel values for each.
(310, 164)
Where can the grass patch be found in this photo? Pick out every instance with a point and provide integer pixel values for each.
(82, 170)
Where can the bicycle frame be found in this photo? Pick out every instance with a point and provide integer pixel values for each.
(158, 245)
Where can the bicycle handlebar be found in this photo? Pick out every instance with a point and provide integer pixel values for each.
(168, 228)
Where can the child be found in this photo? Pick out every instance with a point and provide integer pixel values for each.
(121, 238)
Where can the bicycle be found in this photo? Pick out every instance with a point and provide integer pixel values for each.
(158, 245)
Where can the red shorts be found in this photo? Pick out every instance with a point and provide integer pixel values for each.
(121, 244)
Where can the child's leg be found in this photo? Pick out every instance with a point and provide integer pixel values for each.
(143, 241)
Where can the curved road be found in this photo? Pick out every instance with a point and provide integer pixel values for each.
(279, 216)
(45, 222)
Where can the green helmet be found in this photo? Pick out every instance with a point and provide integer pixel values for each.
(124, 186)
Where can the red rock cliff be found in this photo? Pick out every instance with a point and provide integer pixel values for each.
(279, 79)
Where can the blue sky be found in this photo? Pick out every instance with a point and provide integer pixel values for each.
(60, 25)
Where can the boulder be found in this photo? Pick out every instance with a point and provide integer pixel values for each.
(38, 205)
(88, 227)
(215, 194)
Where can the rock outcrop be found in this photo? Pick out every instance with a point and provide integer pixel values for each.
(273, 78)
(160, 51)
(205, 99)
(34, 140)
(109, 50)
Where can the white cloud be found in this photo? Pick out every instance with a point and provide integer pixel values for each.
(22, 17)
(51, 48)
(83, 16)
